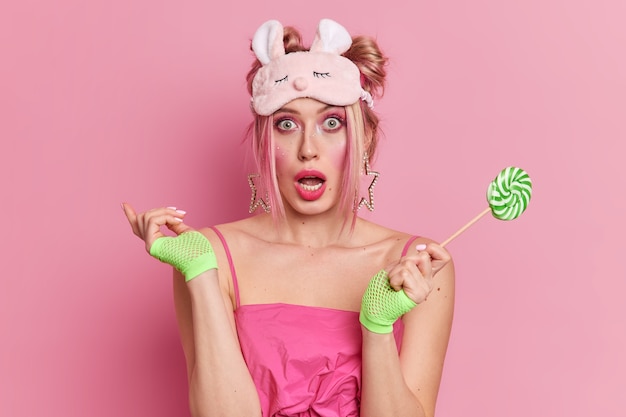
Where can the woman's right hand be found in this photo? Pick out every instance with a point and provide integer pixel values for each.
(147, 225)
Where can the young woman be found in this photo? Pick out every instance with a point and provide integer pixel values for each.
(306, 309)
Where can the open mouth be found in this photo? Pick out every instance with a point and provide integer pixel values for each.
(311, 183)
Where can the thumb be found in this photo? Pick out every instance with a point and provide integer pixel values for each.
(179, 228)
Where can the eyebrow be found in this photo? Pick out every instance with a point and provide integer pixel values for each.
(293, 111)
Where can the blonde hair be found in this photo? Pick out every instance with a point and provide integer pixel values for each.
(362, 122)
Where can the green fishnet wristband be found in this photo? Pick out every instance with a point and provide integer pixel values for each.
(381, 305)
(190, 252)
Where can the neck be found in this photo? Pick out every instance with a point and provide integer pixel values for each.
(320, 230)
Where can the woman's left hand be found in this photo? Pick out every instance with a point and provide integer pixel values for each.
(415, 272)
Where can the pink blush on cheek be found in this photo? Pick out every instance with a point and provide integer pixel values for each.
(337, 156)
(279, 154)
(281, 159)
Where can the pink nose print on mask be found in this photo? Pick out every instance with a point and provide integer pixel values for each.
(300, 84)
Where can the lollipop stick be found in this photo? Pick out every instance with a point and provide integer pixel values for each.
(464, 228)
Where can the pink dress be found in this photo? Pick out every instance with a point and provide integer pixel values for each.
(304, 361)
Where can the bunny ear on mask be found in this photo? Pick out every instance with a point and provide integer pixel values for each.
(331, 37)
(267, 42)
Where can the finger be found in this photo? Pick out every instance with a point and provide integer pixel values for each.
(439, 256)
(404, 274)
(424, 264)
(397, 279)
(417, 263)
(164, 216)
(177, 226)
(152, 221)
(131, 216)
(438, 252)
(410, 279)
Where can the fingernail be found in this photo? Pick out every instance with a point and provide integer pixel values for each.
(181, 211)
(178, 219)
(172, 208)
(421, 246)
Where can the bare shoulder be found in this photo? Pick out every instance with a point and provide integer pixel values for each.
(239, 237)
(394, 240)
(226, 238)
(235, 231)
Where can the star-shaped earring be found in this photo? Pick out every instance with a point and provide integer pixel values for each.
(254, 200)
(369, 201)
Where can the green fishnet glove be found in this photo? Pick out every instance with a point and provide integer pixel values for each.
(381, 305)
(190, 252)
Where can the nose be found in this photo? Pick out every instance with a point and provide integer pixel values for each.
(308, 147)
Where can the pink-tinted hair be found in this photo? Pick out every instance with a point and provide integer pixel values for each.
(361, 121)
(264, 159)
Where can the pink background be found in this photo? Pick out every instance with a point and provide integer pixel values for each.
(144, 101)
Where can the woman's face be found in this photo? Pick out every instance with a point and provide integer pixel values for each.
(311, 142)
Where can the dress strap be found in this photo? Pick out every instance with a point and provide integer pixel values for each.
(233, 274)
(408, 243)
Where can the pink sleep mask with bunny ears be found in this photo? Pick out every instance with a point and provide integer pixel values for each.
(320, 73)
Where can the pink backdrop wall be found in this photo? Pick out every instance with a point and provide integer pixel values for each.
(144, 101)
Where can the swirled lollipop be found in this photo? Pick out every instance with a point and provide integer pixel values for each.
(508, 196)
(509, 193)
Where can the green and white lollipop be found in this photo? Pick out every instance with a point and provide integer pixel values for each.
(509, 193)
(508, 196)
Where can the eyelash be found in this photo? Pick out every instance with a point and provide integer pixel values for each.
(282, 80)
(340, 120)
(321, 74)
(280, 121)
